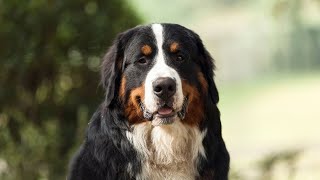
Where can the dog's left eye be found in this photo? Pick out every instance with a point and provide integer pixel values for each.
(142, 60)
(179, 58)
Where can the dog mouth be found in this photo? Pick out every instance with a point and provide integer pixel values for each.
(165, 114)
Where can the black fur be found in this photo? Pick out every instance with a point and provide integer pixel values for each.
(106, 151)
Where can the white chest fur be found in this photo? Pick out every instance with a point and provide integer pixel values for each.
(168, 151)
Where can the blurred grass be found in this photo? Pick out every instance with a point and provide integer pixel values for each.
(272, 114)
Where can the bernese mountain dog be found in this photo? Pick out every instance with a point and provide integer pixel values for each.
(159, 118)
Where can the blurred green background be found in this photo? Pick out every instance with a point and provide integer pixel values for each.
(267, 55)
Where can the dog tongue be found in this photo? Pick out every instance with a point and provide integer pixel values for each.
(164, 111)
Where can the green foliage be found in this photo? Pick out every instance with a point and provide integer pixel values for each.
(50, 54)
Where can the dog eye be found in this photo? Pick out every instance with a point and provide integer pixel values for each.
(180, 58)
(142, 60)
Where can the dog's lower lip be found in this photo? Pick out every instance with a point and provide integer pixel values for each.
(164, 119)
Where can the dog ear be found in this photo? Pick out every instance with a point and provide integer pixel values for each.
(112, 69)
(207, 67)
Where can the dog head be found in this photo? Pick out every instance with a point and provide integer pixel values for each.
(159, 73)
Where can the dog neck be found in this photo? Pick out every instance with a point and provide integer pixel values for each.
(167, 151)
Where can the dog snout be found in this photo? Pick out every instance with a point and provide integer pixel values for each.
(164, 87)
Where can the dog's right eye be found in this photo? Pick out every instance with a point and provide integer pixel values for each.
(142, 60)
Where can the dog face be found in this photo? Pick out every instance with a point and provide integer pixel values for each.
(159, 73)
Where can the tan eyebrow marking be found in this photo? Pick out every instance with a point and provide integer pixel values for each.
(174, 47)
(146, 50)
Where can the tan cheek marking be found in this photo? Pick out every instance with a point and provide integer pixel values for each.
(146, 50)
(203, 82)
(195, 112)
(132, 109)
(174, 47)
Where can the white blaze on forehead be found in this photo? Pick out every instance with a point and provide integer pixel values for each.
(161, 69)
(157, 30)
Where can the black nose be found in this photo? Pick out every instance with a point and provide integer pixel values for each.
(164, 88)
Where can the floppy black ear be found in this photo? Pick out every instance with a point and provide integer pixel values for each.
(111, 70)
(113, 66)
(207, 67)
